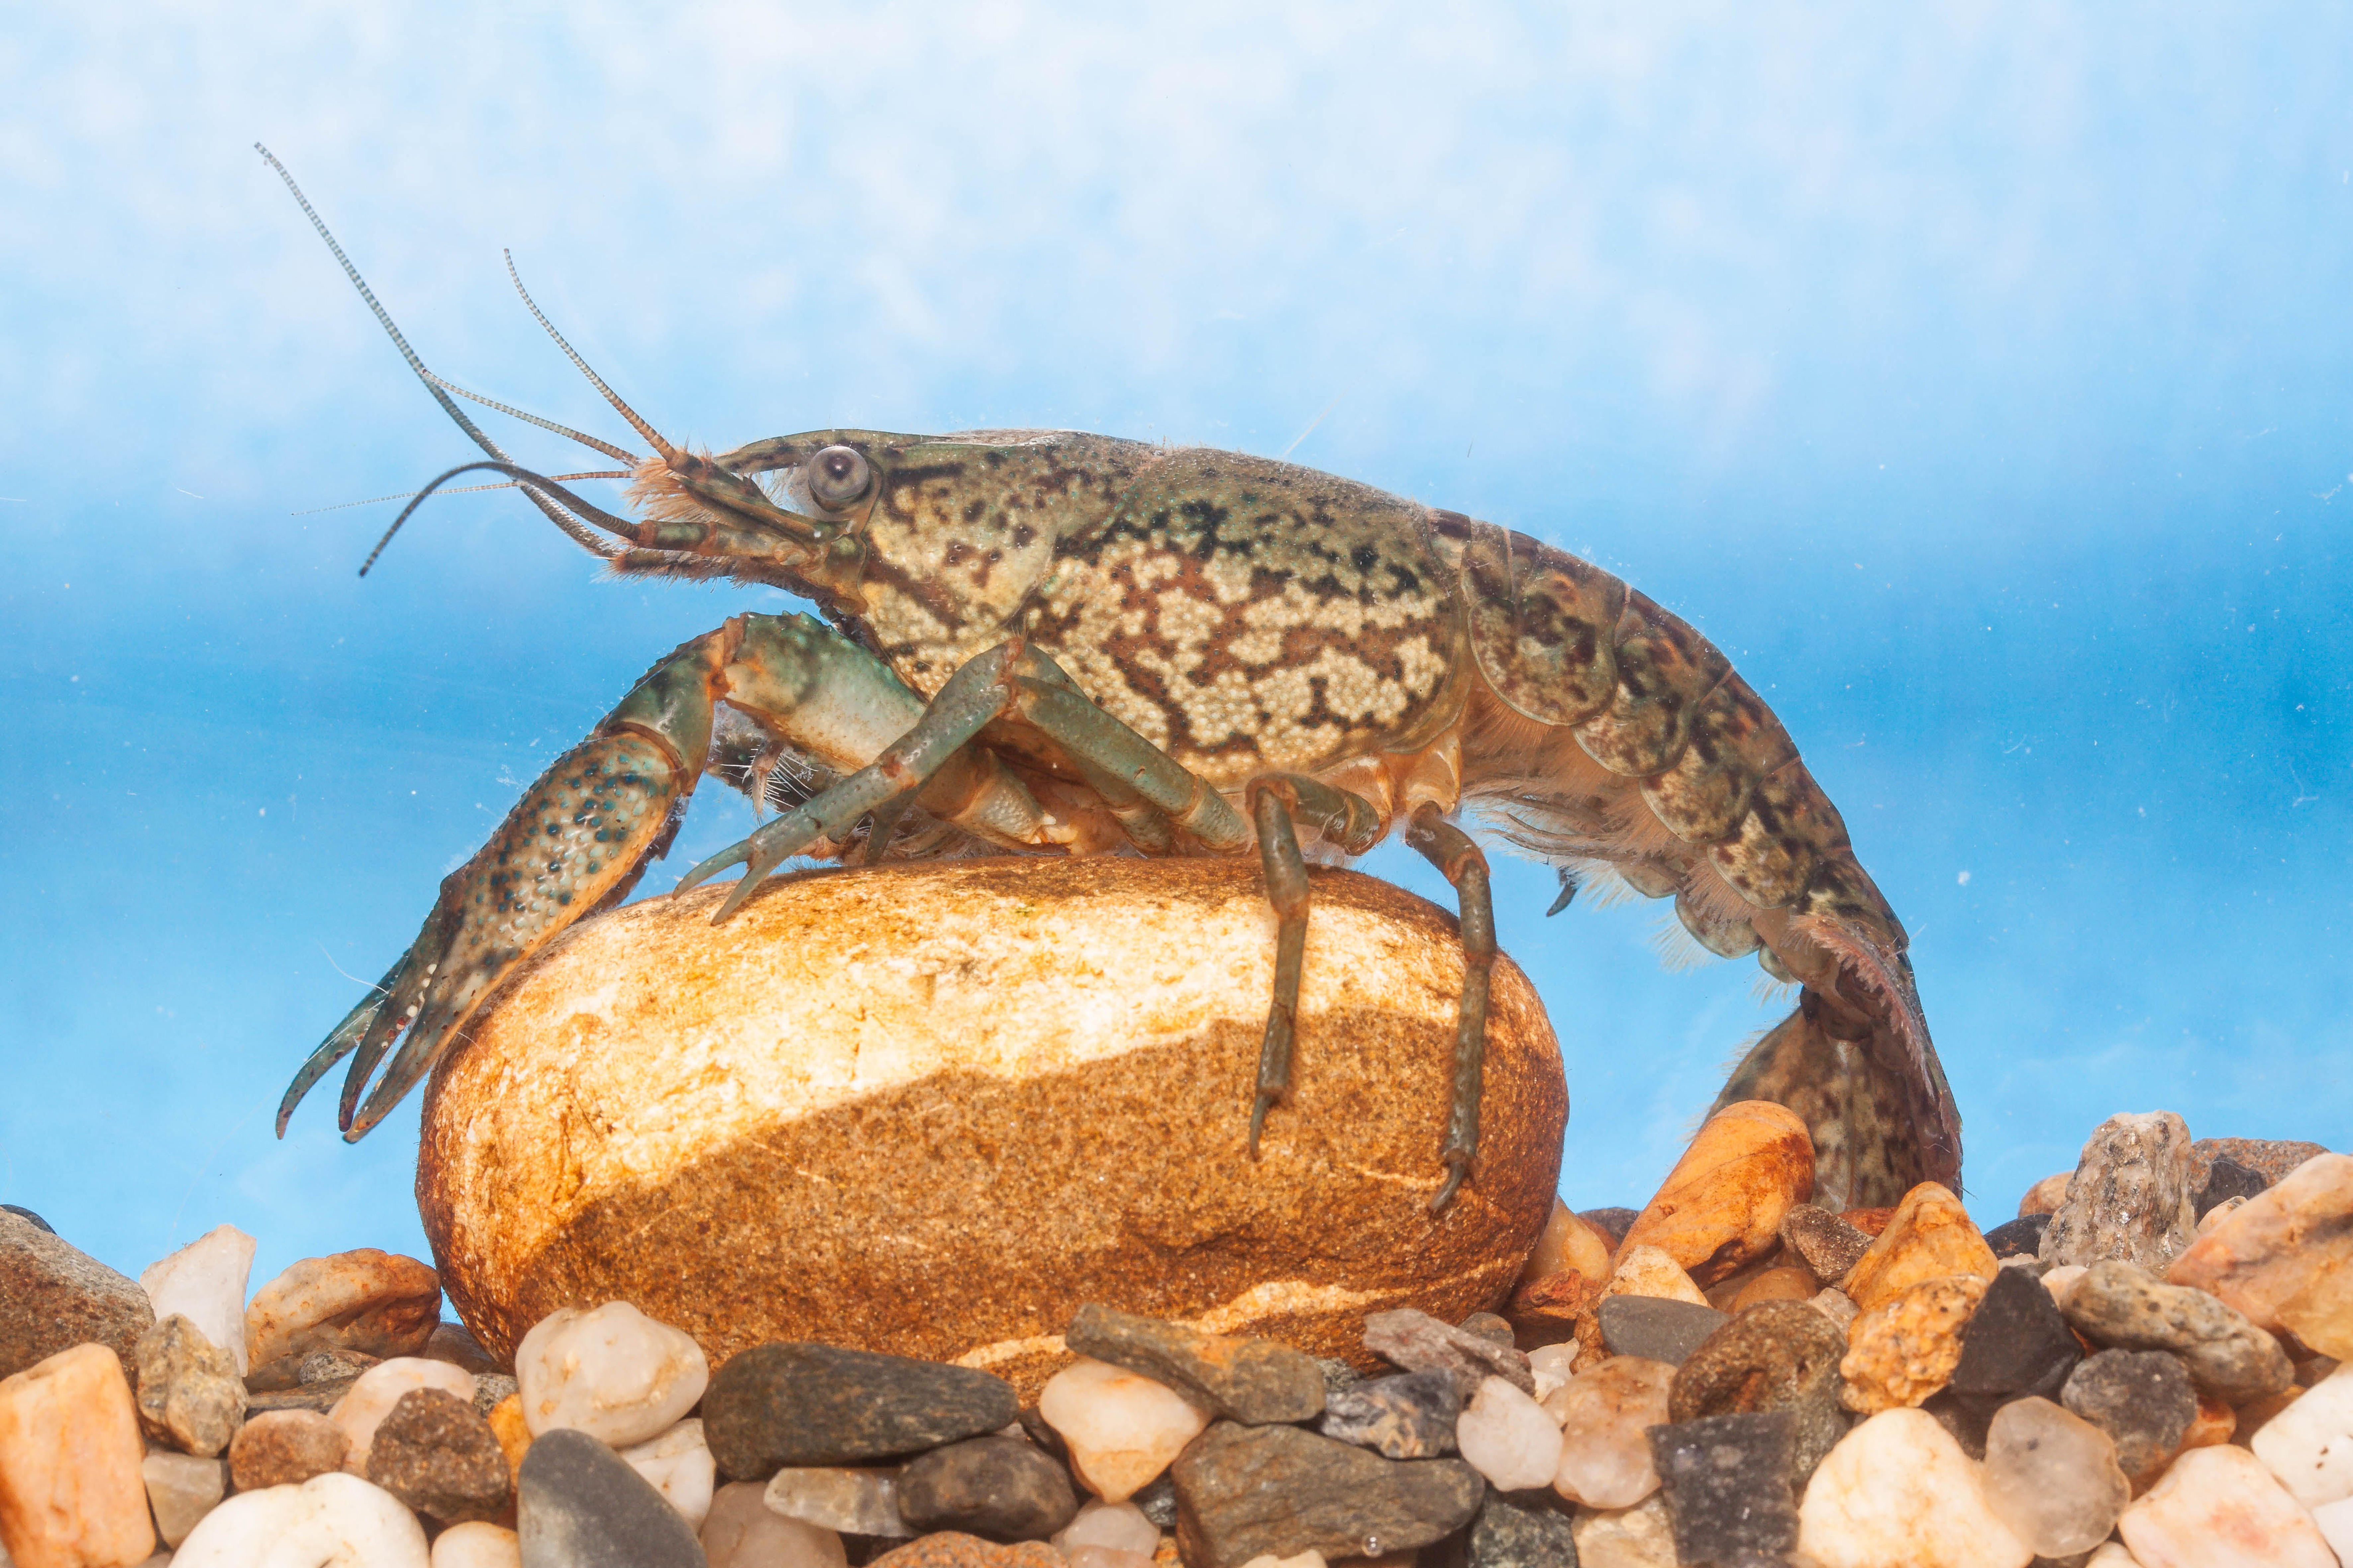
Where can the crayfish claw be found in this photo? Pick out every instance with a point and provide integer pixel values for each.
(342, 1042)
(735, 854)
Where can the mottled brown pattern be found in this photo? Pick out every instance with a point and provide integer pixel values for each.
(1665, 670)
(1248, 616)
(1543, 624)
(985, 1204)
(1866, 1148)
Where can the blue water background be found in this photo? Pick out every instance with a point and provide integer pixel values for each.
(1976, 375)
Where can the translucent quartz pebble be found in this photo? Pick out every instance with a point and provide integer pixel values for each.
(1122, 1428)
(741, 1532)
(1118, 1525)
(611, 1371)
(1508, 1438)
(205, 1283)
(2052, 1478)
(853, 1501)
(1604, 1413)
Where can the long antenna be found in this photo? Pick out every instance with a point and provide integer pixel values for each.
(578, 531)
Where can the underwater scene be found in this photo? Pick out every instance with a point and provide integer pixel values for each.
(1975, 381)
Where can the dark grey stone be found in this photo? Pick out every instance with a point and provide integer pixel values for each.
(1655, 1328)
(779, 1404)
(2143, 1399)
(2020, 1238)
(1410, 1417)
(1965, 1421)
(1251, 1381)
(999, 1486)
(2015, 1345)
(1245, 1490)
(1512, 1535)
(1727, 1483)
(1035, 1426)
(1158, 1501)
(1828, 1244)
(2227, 1179)
(25, 1214)
(579, 1505)
(1613, 1223)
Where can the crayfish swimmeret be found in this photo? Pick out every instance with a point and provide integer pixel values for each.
(1039, 641)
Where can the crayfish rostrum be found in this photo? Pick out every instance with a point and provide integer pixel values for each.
(1039, 641)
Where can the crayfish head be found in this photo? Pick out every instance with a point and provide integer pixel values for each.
(788, 512)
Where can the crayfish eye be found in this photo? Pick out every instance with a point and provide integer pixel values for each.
(838, 476)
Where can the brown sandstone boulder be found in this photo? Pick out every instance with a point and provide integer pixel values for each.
(933, 1110)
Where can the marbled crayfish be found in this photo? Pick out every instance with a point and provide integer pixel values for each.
(1047, 642)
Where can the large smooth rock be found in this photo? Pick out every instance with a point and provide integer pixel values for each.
(1034, 1074)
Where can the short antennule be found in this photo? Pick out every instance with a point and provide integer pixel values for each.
(653, 439)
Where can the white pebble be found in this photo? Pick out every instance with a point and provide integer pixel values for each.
(367, 1403)
(1122, 1428)
(1310, 1558)
(612, 1372)
(742, 1532)
(1898, 1488)
(1120, 1526)
(2336, 1522)
(1551, 1367)
(476, 1545)
(1112, 1557)
(205, 1283)
(2309, 1445)
(2218, 1508)
(679, 1464)
(328, 1521)
(1507, 1437)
